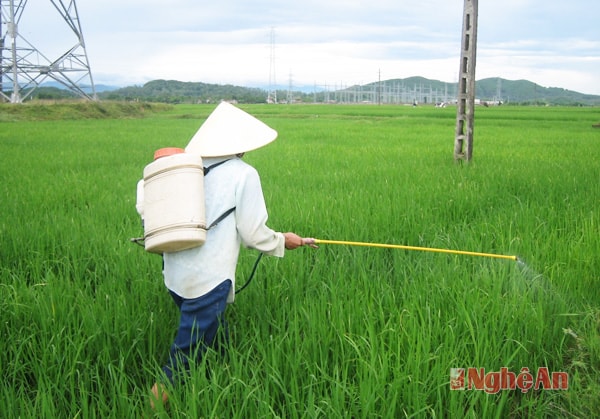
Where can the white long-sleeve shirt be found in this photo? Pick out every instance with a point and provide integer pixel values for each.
(194, 272)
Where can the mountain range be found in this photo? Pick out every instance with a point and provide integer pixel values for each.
(506, 91)
(489, 89)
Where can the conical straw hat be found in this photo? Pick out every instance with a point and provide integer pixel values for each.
(229, 130)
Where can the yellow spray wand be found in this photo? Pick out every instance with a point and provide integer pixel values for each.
(425, 249)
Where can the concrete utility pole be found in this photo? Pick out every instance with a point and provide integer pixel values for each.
(465, 113)
(25, 67)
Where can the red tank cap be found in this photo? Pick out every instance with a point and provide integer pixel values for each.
(167, 151)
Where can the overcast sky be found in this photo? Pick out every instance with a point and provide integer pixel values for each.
(333, 43)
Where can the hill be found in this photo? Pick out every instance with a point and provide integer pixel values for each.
(406, 90)
(523, 92)
(172, 91)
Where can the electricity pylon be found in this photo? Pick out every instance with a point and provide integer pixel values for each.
(23, 67)
(272, 94)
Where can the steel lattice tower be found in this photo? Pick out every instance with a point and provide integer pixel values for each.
(272, 94)
(23, 67)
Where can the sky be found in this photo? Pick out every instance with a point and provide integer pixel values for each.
(324, 43)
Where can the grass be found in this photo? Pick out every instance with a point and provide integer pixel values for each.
(40, 110)
(337, 332)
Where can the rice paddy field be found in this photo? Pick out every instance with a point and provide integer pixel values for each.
(336, 332)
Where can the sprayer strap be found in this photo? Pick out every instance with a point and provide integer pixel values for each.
(221, 218)
(209, 168)
(230, 210)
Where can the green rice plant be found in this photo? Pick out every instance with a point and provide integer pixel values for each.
(340, 331)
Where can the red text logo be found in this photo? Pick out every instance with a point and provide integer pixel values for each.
(493, 382)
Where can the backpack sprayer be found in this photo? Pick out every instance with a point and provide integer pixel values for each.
(170, 200)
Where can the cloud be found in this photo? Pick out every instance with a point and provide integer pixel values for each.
(327, 42)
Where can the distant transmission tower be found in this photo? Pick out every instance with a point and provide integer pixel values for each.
(499, 90)
(290, 92)
(272, 94)
(23, 67)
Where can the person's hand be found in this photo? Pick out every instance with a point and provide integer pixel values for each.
(294, 241)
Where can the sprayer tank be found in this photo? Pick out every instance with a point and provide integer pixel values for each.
(173, 203)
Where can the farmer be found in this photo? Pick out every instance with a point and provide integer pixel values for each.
(201, 280)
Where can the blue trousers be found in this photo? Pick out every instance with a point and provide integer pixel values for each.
(200, 320)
